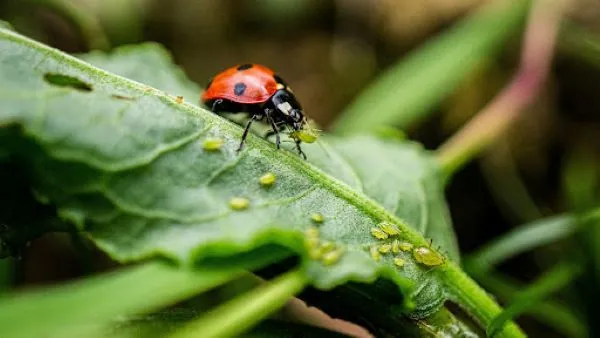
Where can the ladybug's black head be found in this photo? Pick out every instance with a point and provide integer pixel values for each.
(288, 109)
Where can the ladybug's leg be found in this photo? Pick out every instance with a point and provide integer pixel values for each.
(216, 104)
(272, 132)
(245, 134)
(300, 152)
(275, 129)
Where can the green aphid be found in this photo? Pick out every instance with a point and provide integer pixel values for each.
(385, 248)
(312, 232)
(396, 246)
(239, 203)
(311, 242)
(315, 253)
(317, 217)
(332, 257)
(375, 254)
(389, 228)
(327, 246)
(405, 246)
(399, 262)
(267, 179)
(212, 144)
(378, 233)
(428, 257)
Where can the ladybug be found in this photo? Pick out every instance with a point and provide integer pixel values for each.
(256, 90)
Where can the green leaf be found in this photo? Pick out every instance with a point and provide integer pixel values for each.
(148, 63)
(580, 43)
(552, 281)
(521, 239)
(561, 317)
(161, 324)
(77, 308)
(127, 164)
(412, 88)
(400, 176)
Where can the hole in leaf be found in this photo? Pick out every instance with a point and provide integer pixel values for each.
(67, 81)
(122, 97)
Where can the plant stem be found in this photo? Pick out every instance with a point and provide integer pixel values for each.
(496, 117)
(476, 300)
(241, 313)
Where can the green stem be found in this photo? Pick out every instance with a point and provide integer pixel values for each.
(97, 300)
(496, 117)
(476, 300)
(241, 313)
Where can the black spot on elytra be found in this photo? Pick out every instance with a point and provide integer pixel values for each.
(278, 79)
(61, 80)
(245, 66)
(239, 88)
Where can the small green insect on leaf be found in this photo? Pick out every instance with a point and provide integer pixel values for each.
(374, 251)
(212, 144)
(239, 203)
(396, 246)
(332, 257)
(427, 256)
(399, 261)
(267, 179)
(312, 232)
(378, 233)
(317, 217)
(405, 246)
(389, 228)
(385, 248)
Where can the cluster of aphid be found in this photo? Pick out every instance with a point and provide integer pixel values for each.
(388, 233)
(329, 253)
(326, 252)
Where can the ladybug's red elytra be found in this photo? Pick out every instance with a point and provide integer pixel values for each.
(258, 91)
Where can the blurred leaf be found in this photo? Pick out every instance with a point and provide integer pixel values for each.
(127, 164)
(245, 311)
(161, 324)
(410, 89)
(523, 238)
(82, 18)
(556, 315)
(581, 43)
(557, 278)
(76, 308)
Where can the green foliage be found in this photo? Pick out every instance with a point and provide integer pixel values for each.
(126, 164)
(413, 87)
(524, 238)
(87, 305)
(557, 278)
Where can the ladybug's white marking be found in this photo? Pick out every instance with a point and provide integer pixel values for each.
(285, 108)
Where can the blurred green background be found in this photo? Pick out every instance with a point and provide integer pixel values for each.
(328, 51)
